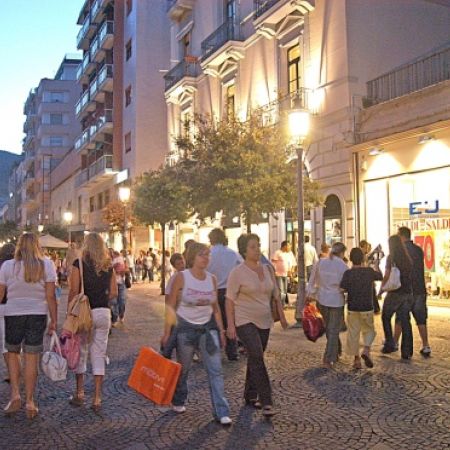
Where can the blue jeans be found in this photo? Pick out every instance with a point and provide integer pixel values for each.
(118, 304)
(282, 285)
(213, 366)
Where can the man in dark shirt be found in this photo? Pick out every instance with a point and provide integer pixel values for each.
(419, 306)
(358, 282)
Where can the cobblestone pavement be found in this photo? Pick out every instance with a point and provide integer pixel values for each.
(393, 406)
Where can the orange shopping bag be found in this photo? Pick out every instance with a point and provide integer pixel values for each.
(154, 376)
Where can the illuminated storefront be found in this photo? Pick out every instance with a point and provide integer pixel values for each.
(408, 184)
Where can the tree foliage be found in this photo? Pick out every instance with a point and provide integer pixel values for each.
(114, 215)
(9, 230)
(240, 168)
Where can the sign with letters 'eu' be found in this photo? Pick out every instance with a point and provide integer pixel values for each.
(417, 208)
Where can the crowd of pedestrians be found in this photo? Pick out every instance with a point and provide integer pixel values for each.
(215, 298)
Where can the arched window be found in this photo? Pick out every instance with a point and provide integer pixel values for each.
(332, 216)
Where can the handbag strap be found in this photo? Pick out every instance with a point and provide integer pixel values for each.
(80, 264)
(54, 342)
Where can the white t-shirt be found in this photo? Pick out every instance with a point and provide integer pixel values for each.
(197, 298)
(25, 298)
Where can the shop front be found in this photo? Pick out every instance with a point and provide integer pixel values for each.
(419, 200)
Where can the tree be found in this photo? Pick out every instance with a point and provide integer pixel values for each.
(161, 196)
(239, 167)
(9, 230)
(57, 231)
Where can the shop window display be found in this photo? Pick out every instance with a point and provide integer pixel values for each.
(332, 215)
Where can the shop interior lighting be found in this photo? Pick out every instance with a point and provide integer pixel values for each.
(374, 151)
(426, 138)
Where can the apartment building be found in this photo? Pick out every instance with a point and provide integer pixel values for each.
(238, 55)
(50, 129)
(121, 108)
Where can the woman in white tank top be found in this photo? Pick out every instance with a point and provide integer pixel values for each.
(199, 327)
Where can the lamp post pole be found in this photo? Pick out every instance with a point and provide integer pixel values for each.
(124, 197)
(301, 238)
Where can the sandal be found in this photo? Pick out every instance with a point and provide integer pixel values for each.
(76, 401)
(268, 411)
(13, 406)
(31, 412)
(96, 407)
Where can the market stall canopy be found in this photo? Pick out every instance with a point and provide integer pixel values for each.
(49, 241)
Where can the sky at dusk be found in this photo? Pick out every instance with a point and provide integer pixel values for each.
(34, 37)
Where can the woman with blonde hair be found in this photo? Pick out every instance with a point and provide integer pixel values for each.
(29, 280)
(199, 327)
(100, 287)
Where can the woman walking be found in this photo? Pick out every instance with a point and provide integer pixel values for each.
(250, 289)
(324, 285)
(6, 254)
(29, 279)
(100, 286)
(199, 326)
(400, 300)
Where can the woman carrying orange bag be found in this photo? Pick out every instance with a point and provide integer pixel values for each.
(199, 327)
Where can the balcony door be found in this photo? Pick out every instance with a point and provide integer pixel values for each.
(230, 11)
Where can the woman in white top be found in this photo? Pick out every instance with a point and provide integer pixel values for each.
(30, 281)
(199, 326)
(324, 285)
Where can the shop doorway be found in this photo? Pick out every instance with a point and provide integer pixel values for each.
(332, 216)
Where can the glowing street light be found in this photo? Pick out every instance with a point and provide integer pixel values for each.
(68, 217)
(299, 123)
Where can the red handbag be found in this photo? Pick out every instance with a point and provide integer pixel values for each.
(70, 348)
(312, 322)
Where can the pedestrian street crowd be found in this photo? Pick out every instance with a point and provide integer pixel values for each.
(216, 300)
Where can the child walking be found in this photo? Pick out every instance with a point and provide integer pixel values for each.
(358, 282)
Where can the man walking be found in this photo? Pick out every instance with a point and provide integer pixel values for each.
(419, 306)
(310, 257)
(222, 261)
(284, 263)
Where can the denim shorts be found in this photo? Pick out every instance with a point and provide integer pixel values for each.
(419, 309)
(25, 332)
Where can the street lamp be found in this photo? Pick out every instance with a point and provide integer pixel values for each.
(124, 197)
(299, 129)
(67, 217)
(40, 228)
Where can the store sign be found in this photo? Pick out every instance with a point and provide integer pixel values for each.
(416, 208)
(426, 241)
(440, 223)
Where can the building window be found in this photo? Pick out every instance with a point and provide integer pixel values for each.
(186, 44)
(129, 6)
(230, 101)
(332, 214)
(128, 50)
(56, 97)
(100, 201)
(106, 197)
(127, 143)
(128, 96)
(56, 141)
(56, 119)
(294, 69)
(230, 10)
(91, 204)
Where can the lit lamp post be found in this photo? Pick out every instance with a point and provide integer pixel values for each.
(40, 228)
(124, 197)
(299, 128)
(67, 217)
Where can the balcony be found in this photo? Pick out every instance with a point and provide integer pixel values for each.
(189, 67)
(83, 141)
(106, 35)
(269, 15)
(84, 104)
(96, 173)
(103, 125)
(85, 68)
(229, 31)
(177, 8)
(431, 69)
(105, 78)
(94, 51)
(97, 10)
(86, 31)
(29, 180)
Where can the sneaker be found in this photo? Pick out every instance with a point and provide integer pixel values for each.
(179, 409)
(426, 351)
(225, 421)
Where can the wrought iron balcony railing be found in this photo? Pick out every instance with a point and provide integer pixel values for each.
(261, 6)
(426, 71)
(228, 31)
(189, 67)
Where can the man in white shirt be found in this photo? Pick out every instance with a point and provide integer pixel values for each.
(310, 257)
(284, 263)
(221, 262)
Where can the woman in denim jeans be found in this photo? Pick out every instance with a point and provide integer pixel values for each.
(199, 326)
(400, 300)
